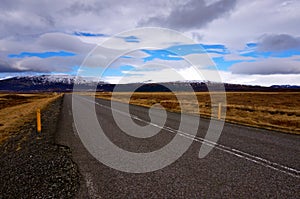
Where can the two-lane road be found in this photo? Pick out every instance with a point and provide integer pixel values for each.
(245, 162)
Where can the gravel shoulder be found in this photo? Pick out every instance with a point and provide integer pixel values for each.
(33, 166)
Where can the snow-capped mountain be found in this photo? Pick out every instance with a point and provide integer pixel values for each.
(66, 79)
(65, 83)
(48, 83)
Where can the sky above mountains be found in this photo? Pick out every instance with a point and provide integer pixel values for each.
(250, 42)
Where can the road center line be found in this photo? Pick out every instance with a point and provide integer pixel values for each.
(246, 156)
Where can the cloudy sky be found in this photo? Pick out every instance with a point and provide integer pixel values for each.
(250, 42)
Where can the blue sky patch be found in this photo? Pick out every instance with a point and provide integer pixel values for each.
(286, 53)
(117, 71)
(126, 57)
(133, 39)
(42, 54)
(160, 54)
(98, 71)
(251, 45)
(175, 52)
(260, 54)
(252, 50)
(256, 54)
(224, 65)
(216, 48)
(87, 34)
(182, 50)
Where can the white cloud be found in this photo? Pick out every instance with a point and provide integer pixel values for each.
(166, 75)
(41, 26)
(268, 66)
(190, 14)
(250, 20)
(263, 80)
(48, 42)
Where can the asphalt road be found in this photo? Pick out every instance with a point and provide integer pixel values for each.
(245, 162)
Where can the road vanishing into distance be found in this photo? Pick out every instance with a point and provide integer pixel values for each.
(245, 163)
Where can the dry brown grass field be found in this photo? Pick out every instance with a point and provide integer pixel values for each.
(270, 110)
(17, 109)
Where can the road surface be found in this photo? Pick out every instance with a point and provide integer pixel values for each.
(245, 163)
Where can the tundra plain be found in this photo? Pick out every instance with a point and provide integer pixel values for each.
(17, 109)
(278, 111)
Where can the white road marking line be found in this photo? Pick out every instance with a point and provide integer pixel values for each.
(256, 159)
(74, 130)
(93, 193)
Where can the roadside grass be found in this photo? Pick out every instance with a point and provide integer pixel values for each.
(278, 111)
(17, 109)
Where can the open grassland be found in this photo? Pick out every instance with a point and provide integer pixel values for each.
(270, 110)
(17, 109)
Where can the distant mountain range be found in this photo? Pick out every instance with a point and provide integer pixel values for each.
(65, 83)
(57, 83)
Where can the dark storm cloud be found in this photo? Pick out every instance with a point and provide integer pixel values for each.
(267, 67)
(84, 7)
(5, 67)
(8, 4)
(19, 18)
(279, 42)
(194, 14)
(285, 49)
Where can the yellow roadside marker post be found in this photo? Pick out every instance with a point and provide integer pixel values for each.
(220, 111)
(38, 120)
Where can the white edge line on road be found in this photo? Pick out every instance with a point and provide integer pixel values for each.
(92, 192)
(256, 159)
